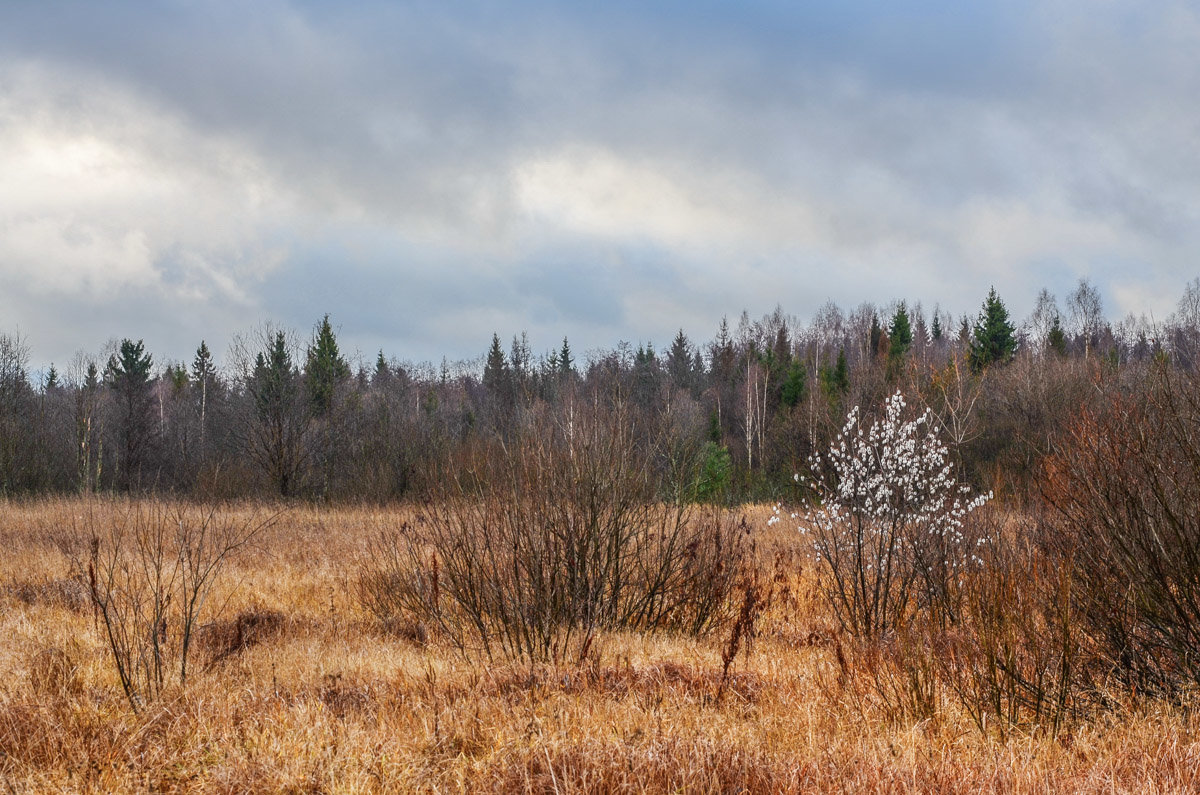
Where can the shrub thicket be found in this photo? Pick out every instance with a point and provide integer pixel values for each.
(1125, 488)
(552, 535)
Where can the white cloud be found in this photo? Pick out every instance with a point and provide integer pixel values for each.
(104, 191)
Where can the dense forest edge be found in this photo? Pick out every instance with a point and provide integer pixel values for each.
(732, 419)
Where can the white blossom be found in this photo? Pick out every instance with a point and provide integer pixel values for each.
(891, 509)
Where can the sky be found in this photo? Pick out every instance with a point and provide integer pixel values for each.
(431, 173)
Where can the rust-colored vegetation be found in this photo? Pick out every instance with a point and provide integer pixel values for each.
(294, 685)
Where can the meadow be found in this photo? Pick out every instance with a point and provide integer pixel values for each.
(295, 686)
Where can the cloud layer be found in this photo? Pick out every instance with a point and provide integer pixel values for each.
(429, 176)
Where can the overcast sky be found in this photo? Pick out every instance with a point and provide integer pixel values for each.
(429, 173)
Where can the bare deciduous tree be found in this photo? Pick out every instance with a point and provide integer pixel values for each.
(1087, 314)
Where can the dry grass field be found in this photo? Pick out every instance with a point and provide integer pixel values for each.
(296, 688)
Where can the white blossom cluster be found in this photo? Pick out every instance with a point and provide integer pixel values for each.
(777, 516)
(890, 504)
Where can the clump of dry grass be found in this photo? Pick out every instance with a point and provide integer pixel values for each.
(68, 592)
(222, 639)
(305, 693)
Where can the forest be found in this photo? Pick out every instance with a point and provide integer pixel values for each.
(288, 416)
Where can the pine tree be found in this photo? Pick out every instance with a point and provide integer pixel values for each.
(935, 331)
(51, 379)
(994, 340)
(326, 369)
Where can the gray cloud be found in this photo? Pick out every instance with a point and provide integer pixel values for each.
(428, 175)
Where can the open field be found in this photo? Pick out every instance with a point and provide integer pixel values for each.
(311, 693)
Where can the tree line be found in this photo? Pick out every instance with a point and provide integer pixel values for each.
(734, 416)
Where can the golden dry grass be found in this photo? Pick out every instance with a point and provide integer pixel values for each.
(309, 693)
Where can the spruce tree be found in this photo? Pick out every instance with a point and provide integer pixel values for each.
(679, 362)
(382, 373)
(203, 378)
(277, 442)
(566, 361)
(722, 368)
(177, 376)
(128, 374)
(1056, 338)
(994, 340)
(203, 369)
(495, 369)
(520, 360)
(841, 374)
(876, 336)
(899, 338)
(835, 381)
(795, 385)
(326, 369)
(498, 384)
(646, 372)
(88, 436)
(274, 378)
(964, 331)
(714, 427)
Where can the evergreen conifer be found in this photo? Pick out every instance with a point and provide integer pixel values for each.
(899, 338)
(994, 340)
(326, 369)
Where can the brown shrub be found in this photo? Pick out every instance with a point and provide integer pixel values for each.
(1125, 489)
(223, 639)
(53, 672)
(551, 537)
(1017, 662)
(69, 593)
(150, 567)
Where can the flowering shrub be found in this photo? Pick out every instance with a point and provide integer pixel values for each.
(892, 528)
